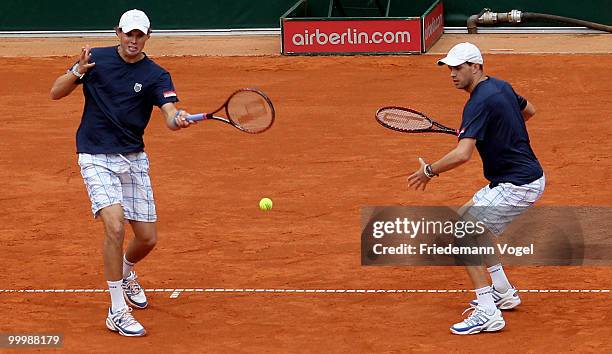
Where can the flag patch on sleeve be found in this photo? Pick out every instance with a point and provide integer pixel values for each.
(169, 94)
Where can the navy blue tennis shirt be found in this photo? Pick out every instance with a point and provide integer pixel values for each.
(493, 117)
(119, 99)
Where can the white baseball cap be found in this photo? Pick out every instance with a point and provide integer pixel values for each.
(134, 19)
(462, 53)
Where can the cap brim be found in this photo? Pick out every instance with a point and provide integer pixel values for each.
(126, 29)
(450, 61)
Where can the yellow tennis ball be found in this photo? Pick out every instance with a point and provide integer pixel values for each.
(265, 204)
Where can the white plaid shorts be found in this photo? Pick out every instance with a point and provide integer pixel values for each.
(496, 207)
(119, 179)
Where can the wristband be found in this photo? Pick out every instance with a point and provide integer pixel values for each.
(428, 171)
(75, 71)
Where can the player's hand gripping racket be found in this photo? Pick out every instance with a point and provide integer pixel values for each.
(249, 110)
(410, 121)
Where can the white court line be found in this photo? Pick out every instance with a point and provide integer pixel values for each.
(175, 293)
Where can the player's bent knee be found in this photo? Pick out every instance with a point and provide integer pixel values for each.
(150, 240)
(145, 233)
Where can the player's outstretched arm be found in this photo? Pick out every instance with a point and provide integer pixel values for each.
(456, 157)
(461, 154)
(66, 83)
(175, 118)
(528, 112)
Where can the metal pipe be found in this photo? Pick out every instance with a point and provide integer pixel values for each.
(572, 21)
(472, 22)
(486, 17)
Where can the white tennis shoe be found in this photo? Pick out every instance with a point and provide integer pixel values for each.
(478, 321)
(132, 291)
(123, 322)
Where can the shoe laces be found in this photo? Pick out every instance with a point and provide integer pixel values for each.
(124, 316)
(132, 286)
(476, 317)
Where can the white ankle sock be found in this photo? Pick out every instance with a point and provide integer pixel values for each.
(500, 281)
(127, 267)
(484, 296)
(116, 293)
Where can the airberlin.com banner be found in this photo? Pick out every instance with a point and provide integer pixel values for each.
(352, 36)
(433, 25)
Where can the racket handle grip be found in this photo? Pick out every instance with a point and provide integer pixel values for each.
(194, 117)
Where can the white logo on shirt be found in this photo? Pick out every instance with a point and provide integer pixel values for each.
(137, 87)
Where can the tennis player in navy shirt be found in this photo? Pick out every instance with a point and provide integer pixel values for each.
(493, 123)
(121, 84)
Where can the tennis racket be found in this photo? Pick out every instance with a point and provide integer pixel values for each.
(410, 121)
(247, 109)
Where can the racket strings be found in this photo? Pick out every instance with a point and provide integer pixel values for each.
(403, 120)
(250, 111)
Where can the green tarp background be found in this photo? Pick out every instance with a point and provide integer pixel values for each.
(57, 15)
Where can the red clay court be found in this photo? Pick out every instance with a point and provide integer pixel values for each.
(227, 277)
